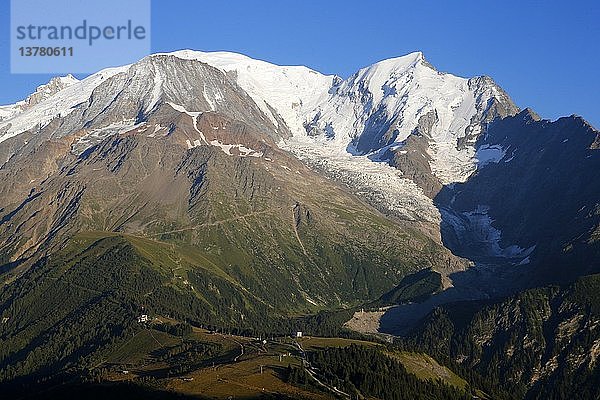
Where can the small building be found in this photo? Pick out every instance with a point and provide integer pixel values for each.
(143, 318)
(298, 334)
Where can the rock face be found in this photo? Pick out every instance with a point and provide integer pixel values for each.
(534, 198)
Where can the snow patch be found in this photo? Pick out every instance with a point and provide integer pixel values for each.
(97, 135)
(194, 115)
(487, 154)
(156, 89)
(157, 129)
(242, 150)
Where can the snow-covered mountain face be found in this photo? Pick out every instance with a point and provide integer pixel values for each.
(117, 100)
(378, 108)
(42, 93)
(375, 110)
(395, 131)
(53, 100)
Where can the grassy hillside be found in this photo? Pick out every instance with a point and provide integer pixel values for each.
(79, 306)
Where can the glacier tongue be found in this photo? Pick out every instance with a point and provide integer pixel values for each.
(475, 229)
(380, 184)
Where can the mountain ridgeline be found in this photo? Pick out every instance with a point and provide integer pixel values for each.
(211, 190)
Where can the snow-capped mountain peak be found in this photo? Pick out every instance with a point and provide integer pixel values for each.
(381, 72)
(390, 111)
(41, 93)
(49, 89)
(381, 106)
(289, 91)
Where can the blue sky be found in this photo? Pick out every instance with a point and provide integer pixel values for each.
(545, 54)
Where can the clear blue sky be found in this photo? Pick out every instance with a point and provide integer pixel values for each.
(545, 54)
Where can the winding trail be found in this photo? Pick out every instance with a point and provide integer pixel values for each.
(154, 337)
(215, 223)
(236, 358)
